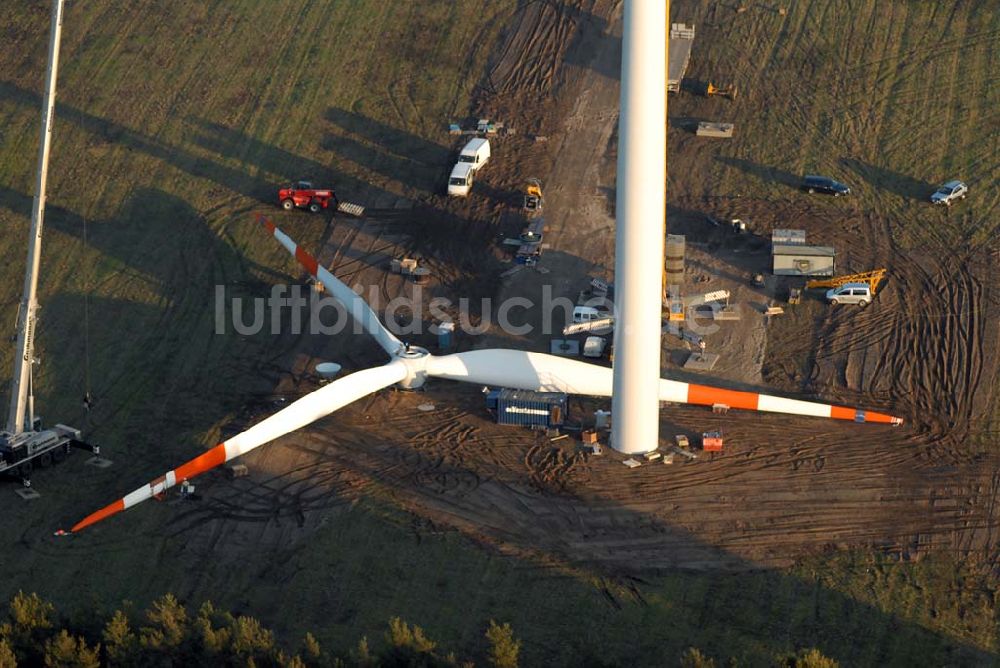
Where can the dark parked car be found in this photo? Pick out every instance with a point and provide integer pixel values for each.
(823, 184)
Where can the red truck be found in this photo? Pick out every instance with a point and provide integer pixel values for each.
(304, 196)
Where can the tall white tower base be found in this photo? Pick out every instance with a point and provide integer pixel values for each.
(641, 204)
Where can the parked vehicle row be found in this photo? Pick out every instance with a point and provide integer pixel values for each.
(471, 159)
(945, 194)
(304, 195)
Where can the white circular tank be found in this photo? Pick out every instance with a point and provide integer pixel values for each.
(328, 370)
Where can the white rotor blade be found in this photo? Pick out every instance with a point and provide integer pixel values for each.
(355, 305)
(301, 412)
(547, 373)
(524, 371)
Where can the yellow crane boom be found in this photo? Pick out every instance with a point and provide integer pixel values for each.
(872, 278)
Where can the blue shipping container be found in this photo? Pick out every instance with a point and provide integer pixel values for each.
(526, 408)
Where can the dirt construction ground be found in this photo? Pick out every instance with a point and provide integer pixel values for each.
(860, 108)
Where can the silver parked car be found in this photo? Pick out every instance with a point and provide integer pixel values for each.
(949, 192)
(850, 293)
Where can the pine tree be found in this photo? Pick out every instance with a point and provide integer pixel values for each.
(29, 611)
(810, 658)
(30, 623)
(168, 628)
(310, 647)
(504, 648)
(363, 655)
(7, 658)
(295, 662)
(121, 646)
(402, 636)
(251, 639)
(213, 630)
(66, 651)
(693, 658)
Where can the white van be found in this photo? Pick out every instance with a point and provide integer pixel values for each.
(476, 153)
(586, 314)
(594, 346)
(460, 181)
(850, 293)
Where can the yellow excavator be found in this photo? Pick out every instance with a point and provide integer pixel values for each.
(533, 196)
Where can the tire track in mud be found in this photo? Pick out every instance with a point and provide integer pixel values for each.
(860, 99)
(783, 487)
(923, 340)
(533, 49)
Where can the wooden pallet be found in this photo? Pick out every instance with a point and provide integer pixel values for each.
(351, 208)
(724, 130)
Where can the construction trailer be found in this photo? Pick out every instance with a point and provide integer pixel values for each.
(526, 408)
(679, 54)
(803, 260)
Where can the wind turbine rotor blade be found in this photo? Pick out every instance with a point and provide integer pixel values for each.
(355, 305)
(548, 373)
(523, 370)
(704, 395)
(301, 412)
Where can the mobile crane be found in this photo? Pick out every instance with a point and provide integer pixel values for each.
(23, 442)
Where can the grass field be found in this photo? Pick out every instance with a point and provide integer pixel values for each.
(176, 121)
(171, 125)
(890, 97)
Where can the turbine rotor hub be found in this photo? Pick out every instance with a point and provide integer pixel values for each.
(415, 359)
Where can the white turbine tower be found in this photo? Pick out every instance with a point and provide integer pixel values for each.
(640, 210)
(411, 366)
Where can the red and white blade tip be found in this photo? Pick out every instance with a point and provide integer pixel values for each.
(195, 467)
(105, 512)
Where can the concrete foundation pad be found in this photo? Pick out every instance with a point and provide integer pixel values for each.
(27, 493)
(99, 462)
(701, 361)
